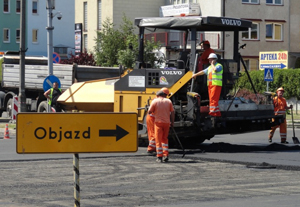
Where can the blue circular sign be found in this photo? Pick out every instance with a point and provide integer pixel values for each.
(56, 57)
(48, 82)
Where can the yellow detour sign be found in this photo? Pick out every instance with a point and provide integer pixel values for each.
(76, 132)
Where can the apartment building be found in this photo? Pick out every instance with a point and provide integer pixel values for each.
(275, 27)
(9, 25)
(93, 13)
(276, 24)
(36, 23)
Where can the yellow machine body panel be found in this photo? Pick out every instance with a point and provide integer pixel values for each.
(134, 101)
(90, 96)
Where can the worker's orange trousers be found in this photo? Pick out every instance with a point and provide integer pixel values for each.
(282, 131)
(214, 93)
(151, 135)
(161, 139)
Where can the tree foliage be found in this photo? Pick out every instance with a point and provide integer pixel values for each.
(289, 79)
(120, 46)
(108, 43)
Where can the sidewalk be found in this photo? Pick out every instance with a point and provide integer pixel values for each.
(12, 132)
(296, 123)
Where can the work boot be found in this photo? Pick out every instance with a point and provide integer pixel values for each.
(151, 153)
(159, 159)
(165, 159)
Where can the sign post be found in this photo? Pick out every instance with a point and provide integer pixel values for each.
(76, 133)
(268, 76)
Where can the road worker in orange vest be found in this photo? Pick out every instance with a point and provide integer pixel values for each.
(214, 74)
(163, 111)
(280, 108)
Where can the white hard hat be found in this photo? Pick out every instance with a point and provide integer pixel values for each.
(213, 56)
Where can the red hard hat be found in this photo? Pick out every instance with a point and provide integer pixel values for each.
(165, 90)
(206, 42)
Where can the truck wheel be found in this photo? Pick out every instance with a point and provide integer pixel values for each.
(9, 108)
(43, 106)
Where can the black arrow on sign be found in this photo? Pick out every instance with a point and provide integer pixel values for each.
(119, 133)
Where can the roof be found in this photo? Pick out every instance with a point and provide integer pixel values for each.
(200, 23)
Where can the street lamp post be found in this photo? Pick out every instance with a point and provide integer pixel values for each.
(22, 95)
(50, 6)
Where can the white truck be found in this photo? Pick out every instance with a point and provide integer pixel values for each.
(36, 70)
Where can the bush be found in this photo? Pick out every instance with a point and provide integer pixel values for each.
(289, 79)
(82, 59)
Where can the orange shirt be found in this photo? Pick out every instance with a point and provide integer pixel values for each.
(279, 105)
(161, 107)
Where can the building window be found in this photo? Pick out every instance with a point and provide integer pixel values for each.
(34, 7)
(6, 35)
(85, 39)
(99, 15)
(250, 1)
(34, 36)
(17, 35)
(18, 6)
(6, 6)
(252, 33)
(276, 2)
(274, 31)
(85, 16)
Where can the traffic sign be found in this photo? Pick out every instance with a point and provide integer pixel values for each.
(273, 59)
(48, 82)
(76, 132)
(56, 57)
(268, 74)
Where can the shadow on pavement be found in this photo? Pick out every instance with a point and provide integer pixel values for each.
(233, 148)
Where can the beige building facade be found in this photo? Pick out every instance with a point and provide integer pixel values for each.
(276, 23)
(92, 13)
(275, 28)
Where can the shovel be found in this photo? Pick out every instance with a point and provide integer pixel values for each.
(178, 140)
(295, 139)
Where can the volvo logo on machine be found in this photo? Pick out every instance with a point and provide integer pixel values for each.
(171, 72)
(231, 22)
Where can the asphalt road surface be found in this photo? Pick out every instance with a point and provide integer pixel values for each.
(230, 170)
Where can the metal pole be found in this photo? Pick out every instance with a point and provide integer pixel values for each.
(49, 29)
(22, 96)
(76, 180)
(50, 6)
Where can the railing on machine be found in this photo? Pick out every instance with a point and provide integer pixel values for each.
(177, 39)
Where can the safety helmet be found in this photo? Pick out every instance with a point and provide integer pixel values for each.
(212, 56)
(165, 90)
(280, 89)
(206, 42)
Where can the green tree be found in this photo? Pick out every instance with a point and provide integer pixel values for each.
(108, 43)
(120, 46)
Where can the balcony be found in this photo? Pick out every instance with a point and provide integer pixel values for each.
(177, 39)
